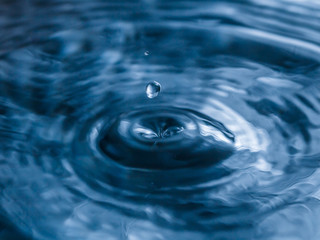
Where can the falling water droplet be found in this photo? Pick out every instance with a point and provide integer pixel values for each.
(153, 89)
(146, 53)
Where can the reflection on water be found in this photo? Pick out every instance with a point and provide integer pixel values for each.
(90, 148)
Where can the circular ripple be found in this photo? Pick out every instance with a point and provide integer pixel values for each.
(165, 138)
(149, 144)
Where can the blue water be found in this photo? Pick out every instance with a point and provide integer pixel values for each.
(226, 148)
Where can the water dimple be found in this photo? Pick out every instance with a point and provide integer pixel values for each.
(153, 89)
(163, 138)
(171, 131)
(159, 128)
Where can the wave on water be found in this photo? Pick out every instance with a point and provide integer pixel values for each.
(149, 119)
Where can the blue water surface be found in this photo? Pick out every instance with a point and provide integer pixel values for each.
(226, 147)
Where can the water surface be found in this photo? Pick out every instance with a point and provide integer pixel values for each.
(228, 149)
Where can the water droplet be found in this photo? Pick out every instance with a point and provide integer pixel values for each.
(146, 53)
(153, 89)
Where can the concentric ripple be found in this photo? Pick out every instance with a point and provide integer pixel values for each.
(165, 138)
(228, 150)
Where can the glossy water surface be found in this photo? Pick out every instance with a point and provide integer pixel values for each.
(228, 150)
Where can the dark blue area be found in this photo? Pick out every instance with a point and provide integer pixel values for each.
(228, 148)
